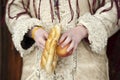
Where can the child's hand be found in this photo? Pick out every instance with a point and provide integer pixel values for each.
(40, 37)
(73, 36)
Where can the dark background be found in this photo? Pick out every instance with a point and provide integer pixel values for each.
(11, 62)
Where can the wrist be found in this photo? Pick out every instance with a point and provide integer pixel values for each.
(33, 31)
(83, 30)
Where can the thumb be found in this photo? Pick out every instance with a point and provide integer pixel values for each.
(46, 35)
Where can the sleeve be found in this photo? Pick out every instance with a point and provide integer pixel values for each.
(19, 22)
(100, 26)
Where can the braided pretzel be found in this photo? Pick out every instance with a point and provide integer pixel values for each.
(49, 56)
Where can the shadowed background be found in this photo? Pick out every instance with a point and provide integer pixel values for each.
(11, 62)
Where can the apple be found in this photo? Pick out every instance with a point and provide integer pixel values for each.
(62, 52)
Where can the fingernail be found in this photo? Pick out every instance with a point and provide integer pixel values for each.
(67, 50)
(62, 46)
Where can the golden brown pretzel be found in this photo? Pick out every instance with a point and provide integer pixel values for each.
(49, 57)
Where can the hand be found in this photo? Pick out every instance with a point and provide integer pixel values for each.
(40, 37)
(73, 36)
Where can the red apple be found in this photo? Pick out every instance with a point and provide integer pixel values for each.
(62, 52)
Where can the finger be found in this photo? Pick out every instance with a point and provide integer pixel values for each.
(42, 41)
(69, 53)
(42, 46)
(72, 50)
(38, 44)
(66, 41)
(75, 48)
(62, 38)
(71, 46)
(46, 36)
